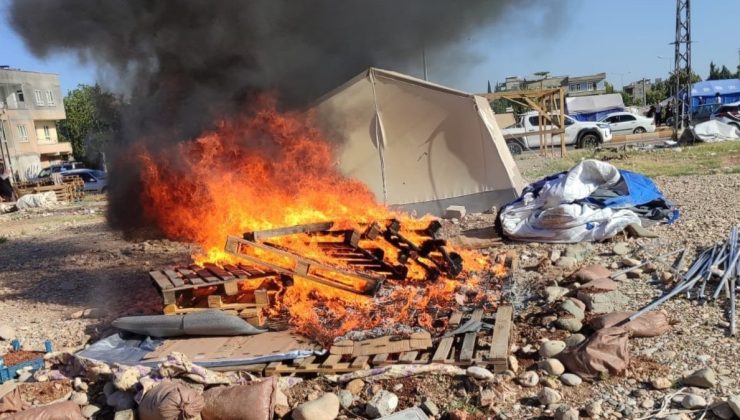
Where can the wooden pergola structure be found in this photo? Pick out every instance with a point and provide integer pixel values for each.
(550, 106)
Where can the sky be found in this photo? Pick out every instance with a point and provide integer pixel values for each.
(623, 38)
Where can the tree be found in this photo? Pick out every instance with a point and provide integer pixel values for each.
(719, 74)
(542, 74)
(712, 71)
(725, 73)
(93, 115)
(627, 98)
(608, 87)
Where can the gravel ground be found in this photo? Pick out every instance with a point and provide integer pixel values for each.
(56, 263)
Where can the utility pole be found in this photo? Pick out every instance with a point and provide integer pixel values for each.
(682, 64)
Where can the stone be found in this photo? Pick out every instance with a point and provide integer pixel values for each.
(120, 400)
(569, 324)
(324, 408)
(7, 332)
(430, 407)
(693, 401)
(602, 303)
(77, 383)
(89, 410)
(666, 277)
(553, 293)
(579, 251)
(589, 273)
(647, 403)
(355, 386)
(734, 403)
(630, 262)
(621, 248)
(550, 382)
(555, 255)
(94, 313)
(24, 376)
(722, 410)
(383, 403)
(661, 383)
(572, 308)
(552, 366)
(634, 274)
(513, 363)
(564, 412)
(397, 387)
(79, 398)
(594, 408)
(127, 414)
(650, 268)
(345, 399)
(574, 340)
(282, 411)
(478, 372)
(458, 415)
(487, 397)
(566, 262)
(570, 379)
(108, 388)
(551, 348)
(548, 396)
(600, 285)
(529, 379)
(455, 212)
(702, 378)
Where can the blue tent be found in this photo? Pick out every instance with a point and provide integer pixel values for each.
(706, 92)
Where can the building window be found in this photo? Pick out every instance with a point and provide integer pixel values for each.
(50, 98)
(19, 95)
(39, 98)
(575, 87)
(22, 133)
(47, 133)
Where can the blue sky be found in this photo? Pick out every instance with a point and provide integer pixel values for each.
(621, 37)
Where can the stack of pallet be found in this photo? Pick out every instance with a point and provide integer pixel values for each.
(71, 188)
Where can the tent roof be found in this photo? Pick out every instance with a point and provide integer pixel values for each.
(594, 103)
(712, 87)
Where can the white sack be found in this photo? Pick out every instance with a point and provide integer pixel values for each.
(554, 217)
(40, 200)
(715, 131)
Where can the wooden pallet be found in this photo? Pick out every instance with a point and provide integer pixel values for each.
(460, 350)
(177, 284)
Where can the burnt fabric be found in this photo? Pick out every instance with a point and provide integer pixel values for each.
(170, 401)
(651, 324)
(253, 401)
(605, 352)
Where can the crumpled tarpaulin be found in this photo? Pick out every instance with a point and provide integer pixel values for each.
(592, 201)
(713, 131)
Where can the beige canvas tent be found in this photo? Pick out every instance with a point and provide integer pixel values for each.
(419, 146)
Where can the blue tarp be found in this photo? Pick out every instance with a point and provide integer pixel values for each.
(595, 116)
(705, 92)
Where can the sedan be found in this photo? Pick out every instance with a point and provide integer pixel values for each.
(629, 123)
(96, 181)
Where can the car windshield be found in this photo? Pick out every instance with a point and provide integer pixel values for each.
(46, 172)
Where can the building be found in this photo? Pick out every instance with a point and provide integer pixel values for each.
(639, 89)
(575, 85)
(30, 106)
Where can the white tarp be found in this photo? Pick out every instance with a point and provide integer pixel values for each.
(554, 215)
(715, 131)
(40, 200)
(593, 103)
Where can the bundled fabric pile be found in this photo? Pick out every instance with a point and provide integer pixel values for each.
(592, 201)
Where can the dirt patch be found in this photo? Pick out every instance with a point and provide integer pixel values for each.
(41, 393)
(14, 357)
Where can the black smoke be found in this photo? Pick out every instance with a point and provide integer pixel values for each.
(183, 64)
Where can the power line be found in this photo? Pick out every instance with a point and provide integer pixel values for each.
(682, 64)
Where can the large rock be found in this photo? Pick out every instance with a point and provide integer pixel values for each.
(355, 386)
(383, 403)
(702, 378)
(455, 212)
(548, 396)
(602, 303)
(722, 410)
(551, 348)
(529, 379)
(692, 402)
(554, 293)
(734, 403)
(552, 366)
(564, 412)
(589, 273)
(574, 340)
(324, 408)
(7, 332)
(579, 251)
(571, 307)
(569, 324)
(570, 379)
(478, 372)
(346, 399)
(621, 248)
(600, 285)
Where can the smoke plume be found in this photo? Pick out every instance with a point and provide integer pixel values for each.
(184, 64)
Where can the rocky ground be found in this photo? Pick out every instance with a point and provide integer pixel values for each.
(64, 275)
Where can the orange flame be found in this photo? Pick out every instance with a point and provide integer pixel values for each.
(273, 170)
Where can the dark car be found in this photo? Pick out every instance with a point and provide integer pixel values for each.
(53, 169)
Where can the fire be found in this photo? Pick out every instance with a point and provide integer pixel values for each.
(270, 170)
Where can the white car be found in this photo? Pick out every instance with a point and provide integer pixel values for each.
(629, 123)
(728, 114)
(525, 135)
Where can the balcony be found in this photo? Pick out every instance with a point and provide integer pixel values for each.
(55, 148)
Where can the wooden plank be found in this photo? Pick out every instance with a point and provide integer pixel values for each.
(307, 361)
(218, 271)
(408, 357)
(174, 278)
(342, 347)
(477, 315)
(163, 282)
(443, 350)
(261, 297)
(231, 288)
(290, 230)
(380, 359)
(455, 319)
(501, 334)
(360, 362)
(331, 361)
(191, 276)
(468, 347)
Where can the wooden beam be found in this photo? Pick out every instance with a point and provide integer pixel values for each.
(290, 230)
(501, 335)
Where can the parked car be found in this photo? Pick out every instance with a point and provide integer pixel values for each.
(525, 133)
(728, 114)
(95, 180)
(629, 123)
(53, 169)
